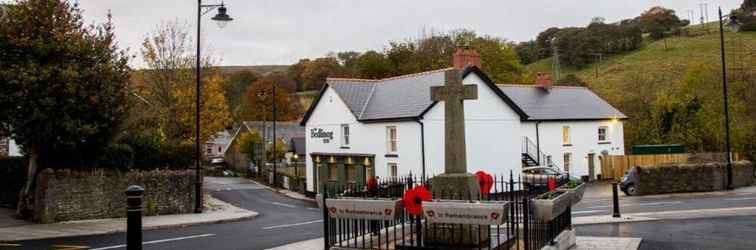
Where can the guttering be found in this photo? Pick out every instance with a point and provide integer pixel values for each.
(422, 145)
(538, 143)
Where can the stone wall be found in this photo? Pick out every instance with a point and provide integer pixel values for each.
(72, 195)
(692, 177)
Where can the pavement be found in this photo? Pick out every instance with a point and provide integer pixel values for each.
(8, 218)
(217, 212)
(281, 220)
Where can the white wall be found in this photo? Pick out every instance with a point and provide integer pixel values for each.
(365, 138)
(491, 132)
(583, 140)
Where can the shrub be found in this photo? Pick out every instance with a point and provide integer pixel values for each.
(146, 148)
(13, 178)
(179, 156)
(118, 156)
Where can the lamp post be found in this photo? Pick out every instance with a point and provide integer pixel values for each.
(734, 25)
(221, 18)
(264, 157)
(262, 94)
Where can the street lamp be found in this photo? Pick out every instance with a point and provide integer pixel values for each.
(733, 24)
(221, 18)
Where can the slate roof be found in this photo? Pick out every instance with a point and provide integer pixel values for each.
(298, 145)
(560, 103)
(405, 96)
(408, 97)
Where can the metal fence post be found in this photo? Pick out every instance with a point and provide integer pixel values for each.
(326, 219)
(615, 198)
(134, 217)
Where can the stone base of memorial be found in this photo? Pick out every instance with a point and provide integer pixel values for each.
(463, 223)
(550, 205)
(455, 187)
(576, 191)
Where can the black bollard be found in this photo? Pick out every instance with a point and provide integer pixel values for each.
(134, 217)
(615, 198)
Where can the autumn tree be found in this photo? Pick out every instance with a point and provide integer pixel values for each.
(372, 65)
(248, 142)
(315, 72)
(295, 72)
(169, 84)
(659, 20)
(64, 86)
(234, 86)
(259, 101)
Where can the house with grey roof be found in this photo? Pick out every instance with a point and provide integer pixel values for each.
(359, 128)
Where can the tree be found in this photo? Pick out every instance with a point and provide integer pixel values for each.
(527, 52)
(373, 65)
(248, 142)
(295, 72)
(169, 84)
(543, 42)
(234, 86)
(258, 108)
(659, 20)
(499, 59)
(572, 80)
(64, 86)
(316, 72)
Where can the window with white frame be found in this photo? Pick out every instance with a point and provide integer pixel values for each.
(391, 139)
(393, 169)
(566, 135)
(567, 162)
(344, 134)
(603, 134)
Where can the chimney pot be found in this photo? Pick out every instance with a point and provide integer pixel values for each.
(543, 80)
(465, 56)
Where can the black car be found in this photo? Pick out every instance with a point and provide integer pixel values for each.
(630, 181)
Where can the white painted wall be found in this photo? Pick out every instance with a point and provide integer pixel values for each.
(584, 140)
(365, 138)
(491, 132)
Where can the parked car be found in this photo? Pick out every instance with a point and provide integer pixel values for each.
(630, 181)
(537, 177)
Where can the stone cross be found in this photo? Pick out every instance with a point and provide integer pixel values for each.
(453, 93)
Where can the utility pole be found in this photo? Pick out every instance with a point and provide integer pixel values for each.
(600, 58)
(555, 64)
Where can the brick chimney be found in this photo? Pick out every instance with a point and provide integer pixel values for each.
(544, 81)
(465, 56)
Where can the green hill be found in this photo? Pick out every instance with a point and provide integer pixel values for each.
(646, 84)
(260, 69)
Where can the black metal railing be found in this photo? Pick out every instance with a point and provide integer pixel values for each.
(406, 231)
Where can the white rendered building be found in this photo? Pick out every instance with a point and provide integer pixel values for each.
(358, 128)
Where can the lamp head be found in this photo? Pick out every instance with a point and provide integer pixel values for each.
(222, 18)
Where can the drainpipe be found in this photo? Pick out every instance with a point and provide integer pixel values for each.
(538, 143)
(422, 145)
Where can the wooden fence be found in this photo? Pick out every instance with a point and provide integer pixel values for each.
(615, 166)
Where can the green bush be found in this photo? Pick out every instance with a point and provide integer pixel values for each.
(13, 178)
(118, 156)
(146, 148)
(179, 156)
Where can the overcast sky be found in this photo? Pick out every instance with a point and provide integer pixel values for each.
(282, 31)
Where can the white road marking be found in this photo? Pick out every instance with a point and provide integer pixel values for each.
(640, 204)
(587, 211)
(283, 204)
(292, 225)
(313, 208)
(741, 199)
(158, 241)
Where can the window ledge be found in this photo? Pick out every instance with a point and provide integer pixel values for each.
(345, 147)
(604, 142)
(391, 156)
(567, 145)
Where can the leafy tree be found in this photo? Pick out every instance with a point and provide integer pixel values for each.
(64, 86)
(543, 42)
(527, 52)
(499, 59)
(247, 142)
(170, 86)
(315, 72)
(234, 86)
(659, 20)
(279, 152)
(295, 72)
(259, 107)
(373, 65)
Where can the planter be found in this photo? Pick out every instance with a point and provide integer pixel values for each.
(367, 209)
(548, 209)
(576, 192)
(463, 212)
